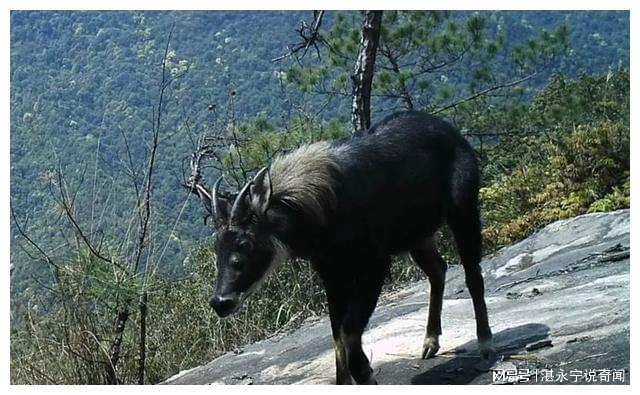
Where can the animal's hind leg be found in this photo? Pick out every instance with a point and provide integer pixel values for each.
(467, 233)
(429, 260)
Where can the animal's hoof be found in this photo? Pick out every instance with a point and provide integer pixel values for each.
(486, 349)
(370, 381)
(345, 382)
(430, 347)
(365, 377)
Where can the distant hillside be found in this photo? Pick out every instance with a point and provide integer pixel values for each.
(80, 81)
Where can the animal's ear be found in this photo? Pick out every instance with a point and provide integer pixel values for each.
(260, 192)
(221, 215)
(219, 205)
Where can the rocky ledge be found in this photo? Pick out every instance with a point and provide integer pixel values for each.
(558, 305)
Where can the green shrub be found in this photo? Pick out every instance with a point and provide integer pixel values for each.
(586, 170)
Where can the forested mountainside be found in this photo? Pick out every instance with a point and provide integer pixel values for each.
(80, 81)
(96, 96)
(83, 81)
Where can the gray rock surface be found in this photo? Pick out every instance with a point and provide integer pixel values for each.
(558, 305)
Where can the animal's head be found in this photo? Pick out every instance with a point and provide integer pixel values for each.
(245, 248)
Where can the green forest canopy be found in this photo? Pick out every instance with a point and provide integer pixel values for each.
(79, 80)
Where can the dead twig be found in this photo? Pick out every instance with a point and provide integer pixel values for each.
(310, 35)
(582, 359)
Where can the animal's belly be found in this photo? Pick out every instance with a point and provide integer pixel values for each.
(403, 239)
(385, 237)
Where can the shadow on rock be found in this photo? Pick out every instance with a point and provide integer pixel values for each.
(463, 365)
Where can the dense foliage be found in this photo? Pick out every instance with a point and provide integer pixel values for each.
(83, 90)
(566, 155)
(84, 106)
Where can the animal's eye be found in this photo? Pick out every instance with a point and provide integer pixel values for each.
(244, 246)
(235, 261)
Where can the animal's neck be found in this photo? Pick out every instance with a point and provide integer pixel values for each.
(295, 230)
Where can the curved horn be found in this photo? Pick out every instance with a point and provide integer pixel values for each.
(214, 199)
(260, 173)
(237, 208)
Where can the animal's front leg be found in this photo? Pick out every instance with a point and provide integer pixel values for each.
(343, 376)
(357, 361)
(337, 299)
(364, 297)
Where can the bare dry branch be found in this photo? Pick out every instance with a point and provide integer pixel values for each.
(29, 240)
(310, 35)
(65, 204)
(483, 92)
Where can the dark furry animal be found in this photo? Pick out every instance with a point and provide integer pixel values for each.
(348, 206)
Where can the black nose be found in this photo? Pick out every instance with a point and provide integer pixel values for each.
(223, 305)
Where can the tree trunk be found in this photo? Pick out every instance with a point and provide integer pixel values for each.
(143, 338)
(121, 323)
(362, 77)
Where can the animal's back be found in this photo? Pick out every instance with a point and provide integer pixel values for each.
(395, 182)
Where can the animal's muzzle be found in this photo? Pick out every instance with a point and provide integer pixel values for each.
(224, 305)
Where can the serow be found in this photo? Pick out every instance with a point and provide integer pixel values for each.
(347, 206)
